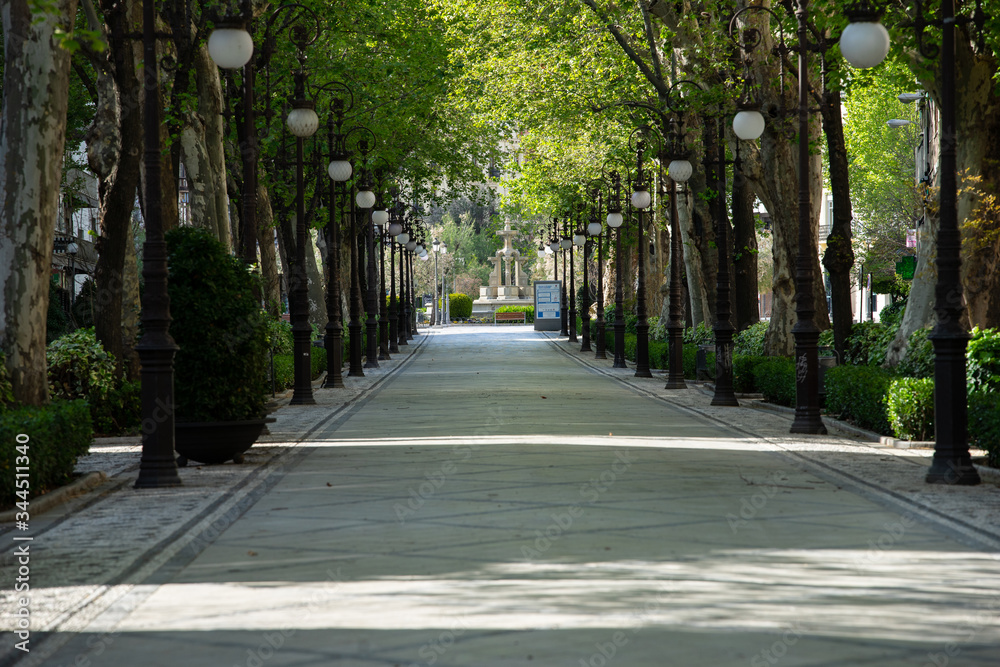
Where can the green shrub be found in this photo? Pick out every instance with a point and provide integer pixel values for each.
(691, 362)
(983, 360)
(317, 361)
(79, 366)
(279, 336)
(657, 329)
(910, 407)
(858, 393)
(59, 433)
(119, 411)
(220, 371)
(775, 378)
(659, 354)
(745, 372)
(892, 314)
(631, 321)
(699, 335)
(630, 346)
(984, 424)
(750, 341)
(867, 344)
(919, 359)
(529, 313)
(284, 371)
(460, 306)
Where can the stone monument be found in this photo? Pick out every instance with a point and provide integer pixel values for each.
(508, 283)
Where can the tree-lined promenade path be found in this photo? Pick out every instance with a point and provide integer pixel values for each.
(492, 497)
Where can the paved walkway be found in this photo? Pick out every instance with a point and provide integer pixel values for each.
(492, 497)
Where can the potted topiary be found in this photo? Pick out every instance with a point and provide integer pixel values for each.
(220, 372)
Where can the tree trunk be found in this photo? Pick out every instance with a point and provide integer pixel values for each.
(268, 256)
(203, 155)
(746, 309)
(131, 306)
(32, 138)
(317, 295)
(114, 147)
(696, 233)
(839, 256)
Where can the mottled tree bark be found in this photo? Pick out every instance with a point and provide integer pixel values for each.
(32, 138)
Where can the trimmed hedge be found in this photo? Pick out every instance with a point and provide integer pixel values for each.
(868, 343)
(284, 367)
(984, 424)
(459, 306)
(750, 341)
(58, 434)
(858, 393)
(775, 378)
(910, 408)
(745, 372)
(529, 312)
(919, 359)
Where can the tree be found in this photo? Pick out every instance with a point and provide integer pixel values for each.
(32, 138)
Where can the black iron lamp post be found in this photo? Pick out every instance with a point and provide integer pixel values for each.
(394, 230)
(748, 124)
(596, 231)
(438, 286)
(565, 243)
(380, 218)
(679, 171)
(641, 200)
(402, 238)
(865, 43)
(302, 122)
(365, 199)
(615, 220)
(588, 245)
(156, 348)
(577, 240)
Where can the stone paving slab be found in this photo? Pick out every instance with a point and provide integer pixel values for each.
(505, 500)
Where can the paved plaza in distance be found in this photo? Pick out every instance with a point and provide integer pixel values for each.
(493, 497)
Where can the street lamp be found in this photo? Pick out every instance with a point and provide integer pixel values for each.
(595, 229)
(156, 348)
(392, 230)
(615, 221)
(807, 413)
(380, 220)
(679, 171)
(641, 200)
(401, 238)
(582, 238)
(866, 45)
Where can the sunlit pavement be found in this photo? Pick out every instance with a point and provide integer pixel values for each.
(496, 502)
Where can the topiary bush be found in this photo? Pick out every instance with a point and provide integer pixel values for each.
(982, 358)
(858, 393)
(79, 366)
(909, 405)
(529, 313)
(659, 354)
(919, 359)
(984, 424)
(691, 362)
(57, 435)
(460, 306)
(220, 372)
(279, 336)
(775, 378)
(750, 341)
(657, 329)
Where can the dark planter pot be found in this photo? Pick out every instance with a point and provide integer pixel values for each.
(216, 442)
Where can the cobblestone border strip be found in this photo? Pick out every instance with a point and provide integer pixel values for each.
(956, 527)
(58, 496)
(125, 590)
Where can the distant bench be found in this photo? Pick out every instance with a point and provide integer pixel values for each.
(509, 317)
